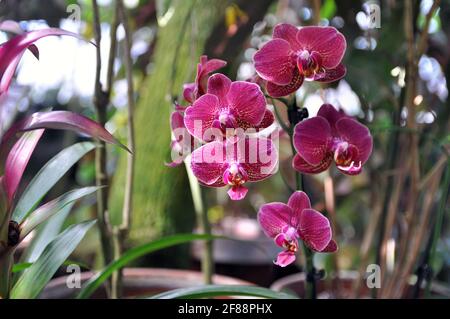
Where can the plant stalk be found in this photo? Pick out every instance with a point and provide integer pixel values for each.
(198, 198)
(310, 283)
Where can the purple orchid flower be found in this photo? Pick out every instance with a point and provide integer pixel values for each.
(225, 107)
(11, 52)
(293, 55)
(222, 163)
(182, 142)
(192, 91)
(331, 136)
(286, 224)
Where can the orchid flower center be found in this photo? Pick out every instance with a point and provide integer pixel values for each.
(224, 121)
(235, 175)
(345, 154)
(309, 63)
(288, 239)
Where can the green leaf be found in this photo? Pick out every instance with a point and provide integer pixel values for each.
(96, 281)
(34, 279)
(47, 177)
(51, 208)
(21, 267)
(328, 9)
(45, 233)
(221, 291)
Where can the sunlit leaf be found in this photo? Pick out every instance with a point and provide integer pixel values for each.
(36, 277)
(47, 177)
(60, 120)
(49, 209)
(96, 281)
(45, 233)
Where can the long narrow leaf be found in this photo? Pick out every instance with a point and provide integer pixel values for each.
(47, 177)
(36, 277)
(44, 234)
(222, 291)
(61, 120)
(12, 50)
(51, 208)
(18, 159)
(96, 281)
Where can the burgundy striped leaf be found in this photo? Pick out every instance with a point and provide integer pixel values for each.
(18, 159)
(60, 120)
(11, 51)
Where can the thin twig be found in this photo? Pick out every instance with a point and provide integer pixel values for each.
(419, 235)
(316, 9)
(423, 40)
(438, 225)
(101, 101)
(128, 201)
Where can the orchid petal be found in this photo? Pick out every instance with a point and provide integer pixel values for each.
(267, 121)
(188, 92)
(327, 41)
(358, 135)
(332, 115)
(331, 247)
(285, 258)
(287, 32)
(202, 113)
(298, 202)
(258, 157)
(207, 164)
(273, 62)
(314, 229)
(247, 101)
(304, 167)
(273, 218)
(331, 75)
(275, 90)
(219, 85)
(237, 192)
(311, 139)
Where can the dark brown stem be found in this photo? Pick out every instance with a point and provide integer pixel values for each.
(101, 101)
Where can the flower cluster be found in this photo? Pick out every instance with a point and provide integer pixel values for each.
(225, 118)
(222, 116)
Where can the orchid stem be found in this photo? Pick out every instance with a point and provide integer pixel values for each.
(198, 198)
(310, 282)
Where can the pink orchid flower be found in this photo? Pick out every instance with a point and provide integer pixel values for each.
(286, 224)
(293, 55)
(218, 164)
(182, 142)
(11, 52)
(192, 91)
(225, 107)
(331, 136)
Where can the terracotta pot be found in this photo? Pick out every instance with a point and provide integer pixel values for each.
(139, 282)
(341, 287)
